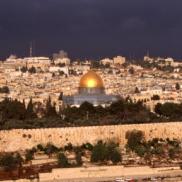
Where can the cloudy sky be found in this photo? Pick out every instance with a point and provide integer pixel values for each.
(91, 28)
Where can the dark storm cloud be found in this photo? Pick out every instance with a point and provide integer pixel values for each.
(91, 28)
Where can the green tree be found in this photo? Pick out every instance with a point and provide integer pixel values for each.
(95, 64)
(137, 91)
(140, 150)
(24, 69)
(50, 110)
(172, 153)
(171, 110)
(68, 147)
(30, 111)
(106, 151)
(115, 156)
(29, 155)
(50, 149)
(32, 70)
(177, 86)
(117, 107)
(158, 108)
(131, 71)
(158, 150)
(113, 152)
(61, 73)
(99, 152)
(12, 109)
(40, 147)
(5, 89)
(18, 159)
(62, 160)
(87, 146)
(155, 97)
(78, 158)
(134, 138)
(10, 161)
(86, 106)
(61, 96)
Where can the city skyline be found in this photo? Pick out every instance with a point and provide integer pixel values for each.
(91, 29)
(90, 90)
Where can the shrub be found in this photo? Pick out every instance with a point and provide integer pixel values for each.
(77, 149)
(10, 161)
(4, 89)
(40, 147)
(33, 150)
(105, 152)
(180, 165)
(134, 137)
(171, 153)
(99, 152)
(158, 150)
(62, 160)
(115, 156)
(140, 150)
(155, 97)
(87, 146)
(29, 155)
(50, 149)
(68, 147)
(78, 158)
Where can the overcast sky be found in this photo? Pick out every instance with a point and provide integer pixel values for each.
(91, 28)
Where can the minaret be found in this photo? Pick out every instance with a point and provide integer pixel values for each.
(31, 49)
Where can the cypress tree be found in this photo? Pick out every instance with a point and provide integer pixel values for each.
(50, 110)
(29, 111)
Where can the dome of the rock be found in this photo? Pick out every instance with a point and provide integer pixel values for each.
(91, 80)
(91, 89)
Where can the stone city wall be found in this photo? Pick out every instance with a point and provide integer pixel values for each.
(21, 139)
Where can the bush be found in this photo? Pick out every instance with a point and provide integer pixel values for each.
(169, 109)
(140, 150)
(99, 152)
(77, 149)
(50, 149)
(18, 159)
(10, 161)
(33, 150)
(87, 146)
(78, 158)
(134, 137)
(62, 160)
(158, 150)
(171, 153)
(177, 86)
(155, 97)
(40, 147)
(29, 155)
(68, 147)
(32, 70)
(106, 151)
(4, 89)
(115, 156)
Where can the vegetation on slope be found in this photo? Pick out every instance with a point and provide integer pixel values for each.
(14, 114)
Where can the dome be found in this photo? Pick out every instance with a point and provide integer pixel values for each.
(91, 80)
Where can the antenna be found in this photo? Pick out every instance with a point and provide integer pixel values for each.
(31, 49)
(148, 53)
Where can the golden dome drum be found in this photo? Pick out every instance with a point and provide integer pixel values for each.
(91, 80)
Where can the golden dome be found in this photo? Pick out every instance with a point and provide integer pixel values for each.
(91, 80)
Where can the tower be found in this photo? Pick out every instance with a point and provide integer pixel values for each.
(31, 49)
